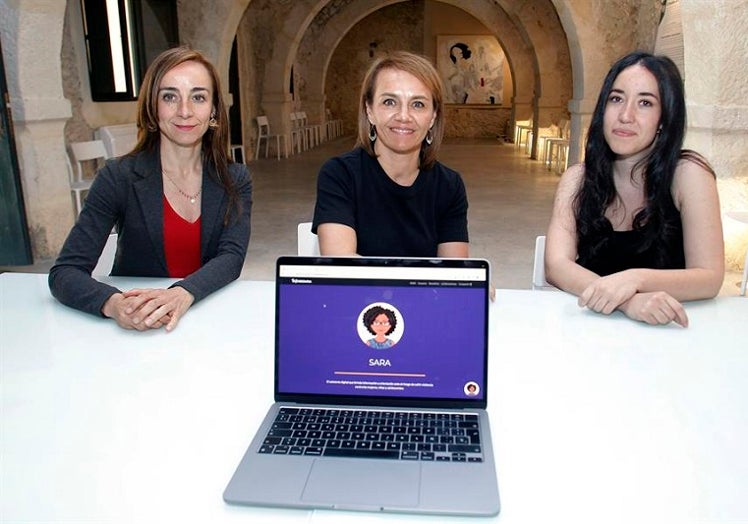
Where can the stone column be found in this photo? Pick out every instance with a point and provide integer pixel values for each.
(277, 107)
(522, 109)
(39, 112)
(547, 113)
(716, 60)
(581, 116)
(715, 81)
(314, 106)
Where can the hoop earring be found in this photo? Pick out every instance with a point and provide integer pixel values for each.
(152, 128)
(429, 137)
(372, 133)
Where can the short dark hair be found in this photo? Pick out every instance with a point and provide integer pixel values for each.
(466, 52)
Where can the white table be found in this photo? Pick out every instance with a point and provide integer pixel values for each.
(594, 418)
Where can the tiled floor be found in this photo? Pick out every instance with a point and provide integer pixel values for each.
(510, 200)
(510, 203)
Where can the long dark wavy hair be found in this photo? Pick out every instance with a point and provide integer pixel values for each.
(598, 192)
(215, 144)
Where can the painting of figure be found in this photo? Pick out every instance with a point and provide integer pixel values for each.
(472, 69)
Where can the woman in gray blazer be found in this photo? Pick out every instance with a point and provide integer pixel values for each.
(180, 209)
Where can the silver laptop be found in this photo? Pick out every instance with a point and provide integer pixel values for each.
(380, 389)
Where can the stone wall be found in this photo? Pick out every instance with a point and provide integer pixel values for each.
(355, 53)
(548, 43)
(476, 121)
(31, 41)
(716, 94)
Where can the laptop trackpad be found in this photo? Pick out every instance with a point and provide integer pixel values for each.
(352, 483)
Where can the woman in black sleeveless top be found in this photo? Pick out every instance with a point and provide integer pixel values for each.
(637, 226)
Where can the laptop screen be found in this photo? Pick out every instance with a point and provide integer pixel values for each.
(382, 330)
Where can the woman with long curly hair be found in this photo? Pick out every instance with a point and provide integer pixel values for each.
(637, 226)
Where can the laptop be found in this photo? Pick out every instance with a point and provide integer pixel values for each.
(381, 386)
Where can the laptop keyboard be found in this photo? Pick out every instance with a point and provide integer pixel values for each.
(380, 434)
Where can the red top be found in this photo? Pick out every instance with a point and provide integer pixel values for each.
(181, 243)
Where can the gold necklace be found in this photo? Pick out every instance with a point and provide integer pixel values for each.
(191, 198)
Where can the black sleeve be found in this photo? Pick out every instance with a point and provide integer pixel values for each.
(70, 279)
(452, 226)
(335, 195)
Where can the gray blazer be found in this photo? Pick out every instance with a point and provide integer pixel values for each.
(127, 194)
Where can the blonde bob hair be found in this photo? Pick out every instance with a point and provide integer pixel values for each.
(421, 68)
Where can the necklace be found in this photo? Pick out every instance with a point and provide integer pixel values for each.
(191, 198)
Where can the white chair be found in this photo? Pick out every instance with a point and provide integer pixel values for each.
(561, 146)
(561, 143)
(237, 154)
(106, 259)
(298, 136)
(118, 139)
(77, 187)
(521, 127)
(263, 133)
(92, 152)
(333, 127)
(313, 131)
(544, 133)
(307, 242)
(562, 155)
(742, 216)
(538, 268)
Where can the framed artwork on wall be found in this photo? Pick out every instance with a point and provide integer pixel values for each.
(472, 68)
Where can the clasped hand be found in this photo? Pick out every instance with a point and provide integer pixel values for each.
(619, 291)
(144, 309)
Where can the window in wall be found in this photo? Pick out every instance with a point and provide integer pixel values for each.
(122, 37)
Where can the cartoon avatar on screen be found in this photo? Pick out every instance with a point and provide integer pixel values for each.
(471, 389)
(380, 322)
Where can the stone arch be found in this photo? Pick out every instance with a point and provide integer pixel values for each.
(324, 42)
(538, 56)
(539, 73)
(506, 33)
(578, 106)
(274, 85)
(39, 112)
(515, 26)
(595, 41)
(592, 31)
(224, 15)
